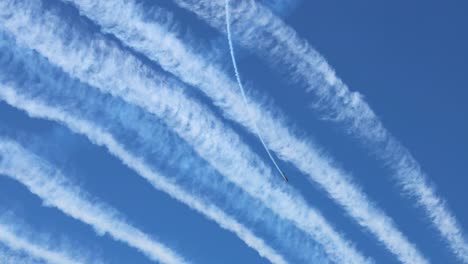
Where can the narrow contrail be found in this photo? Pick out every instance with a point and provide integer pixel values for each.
(334, 101)
(107, 67)
(45, 82)
(22, 243)
(53, 188)
(241, 88)
(141, 34)
(101, 138)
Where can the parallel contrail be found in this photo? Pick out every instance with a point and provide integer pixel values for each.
(19, 242)
(101, 64)
(144, 35)
(101, 138)
(35, 108)
(45, 82)
(335, 101)
(53, 188)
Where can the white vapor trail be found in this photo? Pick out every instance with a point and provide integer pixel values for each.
(52, 187)
(21, 243)
(99, 63)
(335, 101)
(101, 138)
(241, 87)
(174, 56)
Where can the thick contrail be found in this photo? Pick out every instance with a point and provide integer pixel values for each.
(101, 64)
(46, 83)
(334, 100)
(241, 88)
(52, 187)
(174, 56)
(20, 242)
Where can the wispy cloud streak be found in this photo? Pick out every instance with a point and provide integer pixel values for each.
(98, 62)
(51, 186)
(21, 243)
(144, 35)
(258, 29)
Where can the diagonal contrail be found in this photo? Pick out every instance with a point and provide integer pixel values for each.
(104, 66)
(19, 241)
(53, 188)
(144, 35)
(333, 99)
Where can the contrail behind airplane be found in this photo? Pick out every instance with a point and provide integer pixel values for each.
(334, 101)
(288, 147)
(241, 88)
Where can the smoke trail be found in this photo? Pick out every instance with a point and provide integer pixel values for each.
(234, 64)
(22, 243)
(50, 185)
(266, 34)
(144, 36)
(30, 74)
(102, 65)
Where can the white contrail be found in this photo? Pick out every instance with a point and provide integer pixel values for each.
(144, 35)
(101, 138)
(105, 66)
(241, 87)
(19, 242)
(335, 101)
(52, 187)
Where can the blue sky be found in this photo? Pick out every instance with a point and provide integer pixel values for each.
(360, 144)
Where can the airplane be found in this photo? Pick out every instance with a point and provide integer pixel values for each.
(284, 177)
